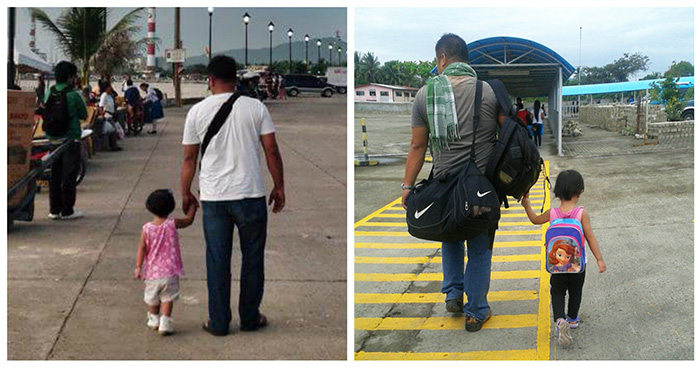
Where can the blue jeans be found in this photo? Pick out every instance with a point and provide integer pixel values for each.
(474, 280)
(220, 217)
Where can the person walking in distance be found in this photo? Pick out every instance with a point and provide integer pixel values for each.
(450, 136)
(232, 193)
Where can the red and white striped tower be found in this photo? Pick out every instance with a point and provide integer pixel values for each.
(32, 34)
(151, 58)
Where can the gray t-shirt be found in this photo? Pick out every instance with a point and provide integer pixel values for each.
(464, 88)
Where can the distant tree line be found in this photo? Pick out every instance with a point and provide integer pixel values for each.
(368, 69)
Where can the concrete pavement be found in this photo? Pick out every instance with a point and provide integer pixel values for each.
(70, 289)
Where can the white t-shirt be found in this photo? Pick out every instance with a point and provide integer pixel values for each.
(231, 167)
(537, 119)
(107, 102)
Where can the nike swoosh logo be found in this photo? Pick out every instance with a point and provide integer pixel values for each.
(482, 195)
(418, 214)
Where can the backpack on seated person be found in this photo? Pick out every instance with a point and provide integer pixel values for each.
(56, 117)
(566, 252)
(456, 205)
(515, 163)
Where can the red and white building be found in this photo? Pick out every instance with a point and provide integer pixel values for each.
(375, 92)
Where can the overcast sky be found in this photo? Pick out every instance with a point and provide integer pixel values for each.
(228, 31)
(663, 34)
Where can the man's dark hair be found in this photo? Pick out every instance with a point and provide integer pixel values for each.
(569, 184)
(453, 46)
(129, 83)
(144, 85)
(161, 203)
(64, 70)
(223, 68)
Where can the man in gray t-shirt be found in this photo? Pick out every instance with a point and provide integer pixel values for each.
(475, 279)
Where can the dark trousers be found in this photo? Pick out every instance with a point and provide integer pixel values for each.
(537, 132)
(64, 173)
(560, 285)
(220, 218)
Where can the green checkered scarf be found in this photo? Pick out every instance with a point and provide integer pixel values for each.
(442, 114)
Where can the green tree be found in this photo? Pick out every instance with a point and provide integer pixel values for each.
(683, 68)
(654, 75)
(668, 93)
(369, 69)
(196, 69)
(82, 32)
(618, 71)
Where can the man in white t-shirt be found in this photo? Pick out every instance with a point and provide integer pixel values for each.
(232, 193)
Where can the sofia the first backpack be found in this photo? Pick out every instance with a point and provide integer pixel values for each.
(566, 252)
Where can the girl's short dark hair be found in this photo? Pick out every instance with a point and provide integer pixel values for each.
(569, 184)
(161, 202)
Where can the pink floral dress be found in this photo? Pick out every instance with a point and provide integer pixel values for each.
(163, 258)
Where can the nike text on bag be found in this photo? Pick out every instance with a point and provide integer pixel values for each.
(564, 239)
(56, 117)
(457, 205)
(515, 163)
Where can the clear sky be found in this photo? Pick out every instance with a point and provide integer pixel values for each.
(663, 34)
(227, 26)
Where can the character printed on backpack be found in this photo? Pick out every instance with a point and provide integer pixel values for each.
(564, 257)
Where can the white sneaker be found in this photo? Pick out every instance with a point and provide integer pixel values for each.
(564, 336)
(54, 216)
(153, 321)
(75, 215)
(166, 325)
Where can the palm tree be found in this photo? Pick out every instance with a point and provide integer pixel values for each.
(369, 67)
(82, 34)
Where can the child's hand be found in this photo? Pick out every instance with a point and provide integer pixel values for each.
(137, 273)
(601, 266)
(525, 201)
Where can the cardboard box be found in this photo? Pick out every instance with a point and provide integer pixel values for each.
(20, 128)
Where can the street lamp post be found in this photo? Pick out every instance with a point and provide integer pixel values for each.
(211, 12)
(340, 57)
(290, 33)
(330, 55)
(270, 27)
(318, 43)
(246, 20)
(306, 39)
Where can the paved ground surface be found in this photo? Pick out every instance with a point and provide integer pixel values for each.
(70, 289)
(641, 205)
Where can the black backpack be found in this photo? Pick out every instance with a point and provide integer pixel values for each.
(56, 116)
(515, 163)
(159, 94)
(456, 205)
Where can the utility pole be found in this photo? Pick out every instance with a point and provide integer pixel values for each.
(580, 36)
(11, 13)
(176, 66)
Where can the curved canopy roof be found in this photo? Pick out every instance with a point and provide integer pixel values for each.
(577, 90)
(527, 68)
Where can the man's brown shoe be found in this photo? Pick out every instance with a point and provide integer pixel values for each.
(472, 324)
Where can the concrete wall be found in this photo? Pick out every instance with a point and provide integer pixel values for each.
(619, 117)
(394, 108)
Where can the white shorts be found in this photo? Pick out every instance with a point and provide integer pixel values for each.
(161, 290)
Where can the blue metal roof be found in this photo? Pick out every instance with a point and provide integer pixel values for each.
(578, 90)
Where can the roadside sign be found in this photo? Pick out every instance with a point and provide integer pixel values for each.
(175, 55)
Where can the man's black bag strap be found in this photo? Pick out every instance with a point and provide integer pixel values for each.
(502, 96)
(219, 120)
(476, 117)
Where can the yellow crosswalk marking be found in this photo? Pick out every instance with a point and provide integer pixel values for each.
(496, 296)
(486, 355)
(420, 245)
(403, 224)
(406, 234)
(437, 277)
(437, 259)
(442, 323)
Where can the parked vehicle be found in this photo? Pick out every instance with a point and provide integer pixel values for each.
(689, 110)
(337, 76)
(298, 83)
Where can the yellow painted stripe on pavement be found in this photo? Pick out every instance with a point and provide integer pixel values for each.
(486, 355)
(403, 224)
(543, 317)
(442, 323)
(437, 277)
(421, 245)
(406, 234)
(438, 259)
(365, 219)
